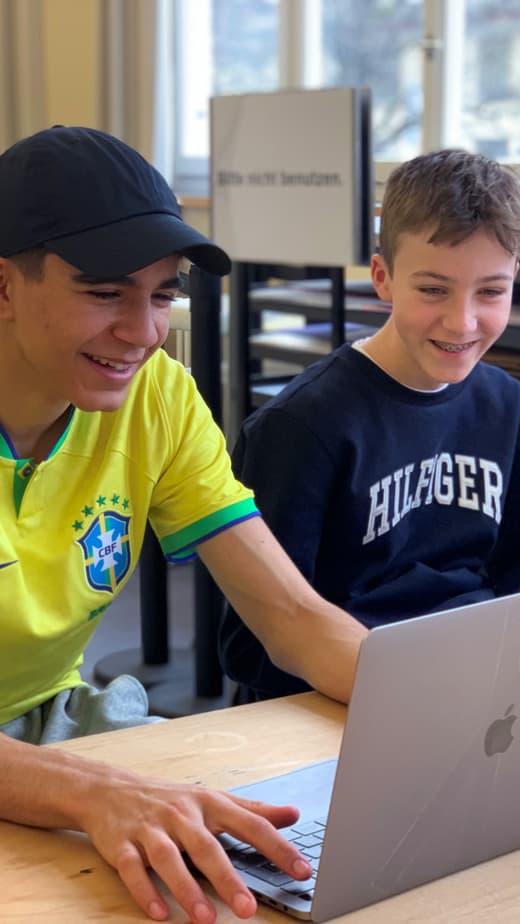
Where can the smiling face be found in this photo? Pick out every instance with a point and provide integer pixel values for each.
(72, 339)
(449, 305)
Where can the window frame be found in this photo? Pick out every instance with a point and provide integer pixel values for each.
(299, 66)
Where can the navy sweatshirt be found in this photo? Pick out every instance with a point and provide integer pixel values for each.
(392, 502)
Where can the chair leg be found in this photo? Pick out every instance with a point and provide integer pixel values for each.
(153, 592)
(208, 612)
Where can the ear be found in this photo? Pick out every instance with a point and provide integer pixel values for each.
(5, 288)
(381, 278)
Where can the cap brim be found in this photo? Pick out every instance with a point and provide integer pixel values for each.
(127, 246)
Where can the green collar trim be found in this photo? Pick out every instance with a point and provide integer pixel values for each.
(63, 436)
(24, 468)
(6, 448)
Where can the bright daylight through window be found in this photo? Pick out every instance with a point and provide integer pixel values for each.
(442, 72)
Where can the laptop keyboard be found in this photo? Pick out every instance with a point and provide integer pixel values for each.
(307, 836)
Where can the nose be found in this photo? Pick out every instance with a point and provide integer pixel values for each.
(141, 324)
(461, 316)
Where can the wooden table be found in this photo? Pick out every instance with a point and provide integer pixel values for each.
(58, 878)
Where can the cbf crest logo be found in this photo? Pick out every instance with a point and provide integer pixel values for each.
(106, 550)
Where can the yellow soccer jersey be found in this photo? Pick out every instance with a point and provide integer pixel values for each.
(71, 527)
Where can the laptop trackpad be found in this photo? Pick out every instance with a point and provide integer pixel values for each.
(308, 788)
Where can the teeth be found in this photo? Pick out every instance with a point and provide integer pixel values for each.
(119, 367)
(452, 347)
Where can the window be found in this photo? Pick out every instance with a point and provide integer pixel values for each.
(442, 72)
(378, 44)
(222, 47)
(491, 102)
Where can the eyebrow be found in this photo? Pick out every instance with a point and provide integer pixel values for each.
(498, 277)
(172, 282)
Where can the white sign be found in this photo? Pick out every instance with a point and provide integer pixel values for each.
(289, 176)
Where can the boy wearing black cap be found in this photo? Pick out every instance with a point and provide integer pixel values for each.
(99, 431)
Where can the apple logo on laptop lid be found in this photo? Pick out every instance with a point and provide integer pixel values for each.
(498, 736)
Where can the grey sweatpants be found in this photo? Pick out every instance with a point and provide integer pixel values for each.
(84, 711)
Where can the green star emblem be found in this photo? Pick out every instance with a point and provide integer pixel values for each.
(77, 525)
(87, 511)
(101, 501)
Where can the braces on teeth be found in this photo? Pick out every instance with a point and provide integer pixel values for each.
(453, 347)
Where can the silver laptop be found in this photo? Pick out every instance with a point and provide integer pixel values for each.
(428, 777)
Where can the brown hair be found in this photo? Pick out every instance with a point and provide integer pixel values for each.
(30, 263)
(454, 193)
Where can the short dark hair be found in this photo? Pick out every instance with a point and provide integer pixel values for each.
(30, 263)
(454, 193)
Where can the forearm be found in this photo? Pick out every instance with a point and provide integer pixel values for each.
(330, 648)
(44, 787)
(309, 638)
(302, 633)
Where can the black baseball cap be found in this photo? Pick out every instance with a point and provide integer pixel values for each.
(95, 202)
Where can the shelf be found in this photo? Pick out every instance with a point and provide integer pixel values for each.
(312, 299)
(302, 346)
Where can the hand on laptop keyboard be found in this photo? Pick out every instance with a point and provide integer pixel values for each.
(306, 836)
